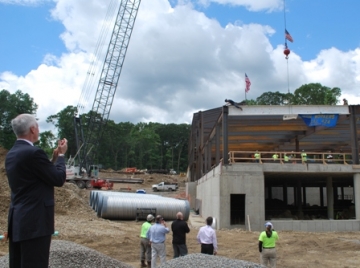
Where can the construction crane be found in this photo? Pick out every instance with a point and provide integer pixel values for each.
(87, 141)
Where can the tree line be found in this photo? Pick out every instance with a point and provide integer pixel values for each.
(308, 94)
(142, 145)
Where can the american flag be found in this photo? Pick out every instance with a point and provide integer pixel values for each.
(247, 83)
(288, 36)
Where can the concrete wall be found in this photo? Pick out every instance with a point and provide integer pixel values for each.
(215, 187)
(317, 225)
(214, 191)
(190, 188)
(247, 180)
(208, 191)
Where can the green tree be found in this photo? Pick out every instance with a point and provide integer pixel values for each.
(316, 94)
(146, 145)
(173, 145)
(64, 123)
(12, 105)
(47, 142)
(115, 145)
(274, 98)
(249, 102)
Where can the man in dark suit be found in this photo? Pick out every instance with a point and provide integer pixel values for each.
(32, 177)
(179, 228)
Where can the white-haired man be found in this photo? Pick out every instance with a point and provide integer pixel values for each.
(32, 177)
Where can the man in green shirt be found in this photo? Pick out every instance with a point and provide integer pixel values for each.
(303, 156)
(286, 158)
(275, 157)
(145, 247)
(257, 156)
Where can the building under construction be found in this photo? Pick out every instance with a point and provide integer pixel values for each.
(297, 166)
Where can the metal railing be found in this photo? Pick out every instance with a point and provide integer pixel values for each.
(290, 157)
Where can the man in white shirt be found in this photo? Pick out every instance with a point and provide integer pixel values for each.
(207, 238)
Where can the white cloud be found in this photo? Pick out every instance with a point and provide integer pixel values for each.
(257, 5)
(178, 62)
(25, 2)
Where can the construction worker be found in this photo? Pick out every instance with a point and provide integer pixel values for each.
(257, 156)
(267, 242)
(145, 247)
(275, 157)
(329, 157)
(293, 156)
(303, 156)
(286, 158)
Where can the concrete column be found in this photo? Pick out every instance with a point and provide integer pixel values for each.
(357, 195)
(225, 113)
(285, 194)
(269, 192)
(298, 196)
(330, 198)
(304, 196)
(321, 196)
(217, 144)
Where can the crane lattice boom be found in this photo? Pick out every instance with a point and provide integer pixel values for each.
(108, 83)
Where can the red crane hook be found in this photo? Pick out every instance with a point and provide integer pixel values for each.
(286, 52)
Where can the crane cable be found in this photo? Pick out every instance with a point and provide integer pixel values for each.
(287, 62)
(92, 75)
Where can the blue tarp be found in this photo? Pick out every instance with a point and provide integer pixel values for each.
(326, 120)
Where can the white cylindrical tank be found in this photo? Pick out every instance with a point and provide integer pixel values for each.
(125, 207)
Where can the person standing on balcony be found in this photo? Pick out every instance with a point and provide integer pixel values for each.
(257, 156)
(286, 158)
(275, 157)
(303, 157)
(329, 157)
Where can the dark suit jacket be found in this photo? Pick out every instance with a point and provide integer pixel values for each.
(180, 229)
(32, 178)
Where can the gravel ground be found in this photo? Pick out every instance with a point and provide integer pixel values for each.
(65, 254)
(208, 261)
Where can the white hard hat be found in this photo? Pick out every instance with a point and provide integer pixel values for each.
(269, 224)
(149, 217)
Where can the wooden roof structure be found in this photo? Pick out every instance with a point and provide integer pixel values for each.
(216, 132)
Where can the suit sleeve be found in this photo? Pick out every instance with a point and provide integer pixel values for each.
(51, 174)
(187, 229)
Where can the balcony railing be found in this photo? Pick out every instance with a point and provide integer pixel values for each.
(260, 157)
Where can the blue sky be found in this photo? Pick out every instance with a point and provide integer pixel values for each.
(28, 34)
(314, 24)
(178, 48)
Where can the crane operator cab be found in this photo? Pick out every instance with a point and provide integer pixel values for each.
(93, 171)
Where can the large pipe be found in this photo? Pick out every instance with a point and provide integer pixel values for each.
(125, 208)
(96, 197)
(100, 199)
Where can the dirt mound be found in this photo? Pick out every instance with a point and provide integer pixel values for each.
(4, 192)
(69, 199)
